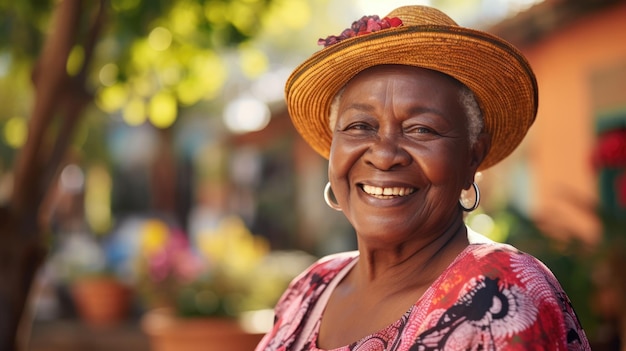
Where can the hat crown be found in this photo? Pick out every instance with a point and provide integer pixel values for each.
(421, 15)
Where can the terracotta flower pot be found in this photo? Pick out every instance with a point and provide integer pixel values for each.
(168, 332)
(101, 301)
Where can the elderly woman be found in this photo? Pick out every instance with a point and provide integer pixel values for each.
(407, 109)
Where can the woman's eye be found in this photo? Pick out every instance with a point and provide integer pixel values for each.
(420, 130)
(359, 126)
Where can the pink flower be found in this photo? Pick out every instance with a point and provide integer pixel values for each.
(176, 260)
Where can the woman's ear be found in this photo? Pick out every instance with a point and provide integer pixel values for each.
(479, 151)
(481, 148)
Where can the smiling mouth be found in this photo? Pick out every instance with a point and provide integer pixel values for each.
(387, 193)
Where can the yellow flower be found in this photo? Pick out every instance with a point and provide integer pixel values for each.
(154, 234)
(232, 246)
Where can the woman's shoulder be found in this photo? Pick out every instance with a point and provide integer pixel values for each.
(506, 267)
(328, 266)
(313, 280)
(299, 299)
(515, 295)
(489, 255)
(337, 259)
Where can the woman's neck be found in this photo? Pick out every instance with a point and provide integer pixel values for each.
(416, 262)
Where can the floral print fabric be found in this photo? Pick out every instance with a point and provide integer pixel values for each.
(492, 297)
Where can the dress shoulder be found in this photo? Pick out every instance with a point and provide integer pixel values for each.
(297, 302)
(494, 295)
(322, 271)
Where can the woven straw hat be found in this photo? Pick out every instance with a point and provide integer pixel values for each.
(497, 73)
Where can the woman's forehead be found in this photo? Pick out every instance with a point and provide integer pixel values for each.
(396, 81)
(404, 70)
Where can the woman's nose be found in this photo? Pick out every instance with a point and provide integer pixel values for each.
(387, 152)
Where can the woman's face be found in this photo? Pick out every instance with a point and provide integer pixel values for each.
(401, 153)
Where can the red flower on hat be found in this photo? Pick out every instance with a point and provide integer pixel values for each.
(365, 25)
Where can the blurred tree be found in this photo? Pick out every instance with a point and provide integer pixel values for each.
(139, 58)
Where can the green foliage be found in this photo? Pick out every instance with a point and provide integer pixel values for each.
(22, 26)
(184, 72)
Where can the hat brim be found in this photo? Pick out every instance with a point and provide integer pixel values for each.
(497, 73)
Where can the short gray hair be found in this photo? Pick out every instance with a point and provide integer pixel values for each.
(475, 121)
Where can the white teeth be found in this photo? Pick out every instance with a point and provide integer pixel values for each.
(387, 192)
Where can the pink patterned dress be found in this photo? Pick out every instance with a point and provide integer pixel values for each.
(492, 297)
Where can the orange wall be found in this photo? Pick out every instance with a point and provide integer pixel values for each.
(560, 141)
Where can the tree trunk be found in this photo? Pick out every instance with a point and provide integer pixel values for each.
(21, 254)
(22, 233)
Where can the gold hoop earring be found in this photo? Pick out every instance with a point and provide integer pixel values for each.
(329, 202)
(476, 200)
